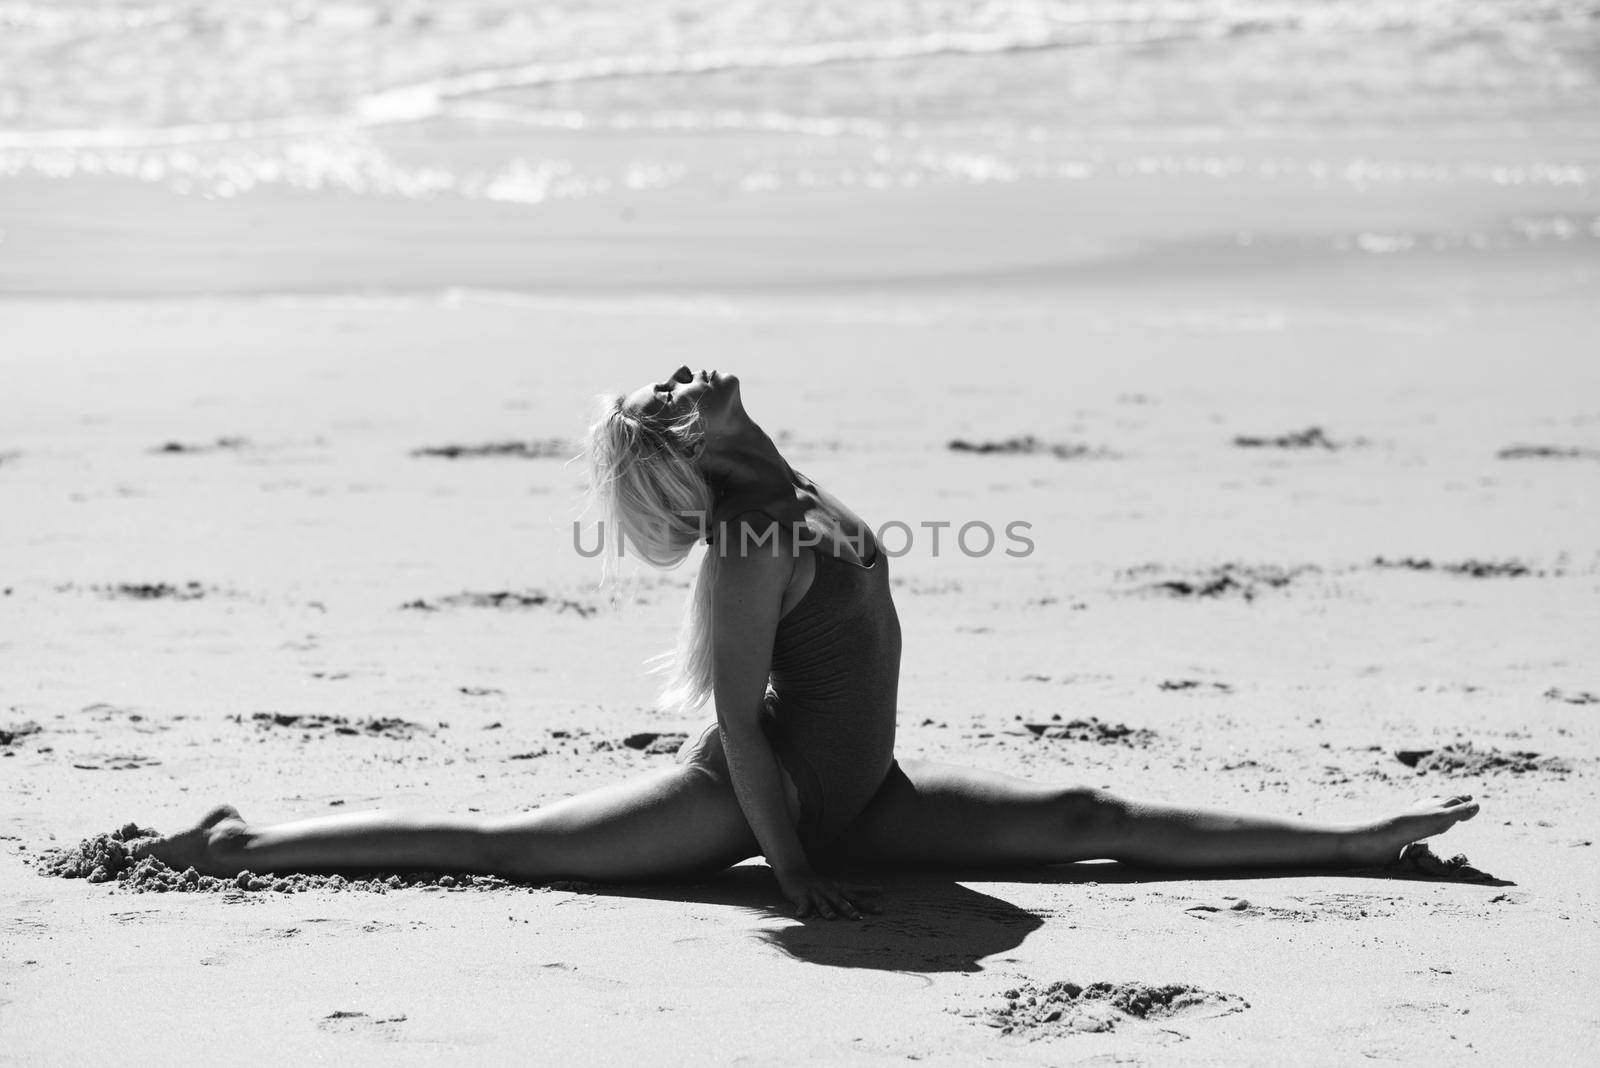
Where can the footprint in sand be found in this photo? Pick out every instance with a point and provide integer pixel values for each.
(1238, 910)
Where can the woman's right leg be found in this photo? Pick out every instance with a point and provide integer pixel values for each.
(940, 814)
(666, 823)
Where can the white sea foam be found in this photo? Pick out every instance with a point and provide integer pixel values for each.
(224, 99)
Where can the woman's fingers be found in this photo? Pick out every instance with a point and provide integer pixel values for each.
(831, 900)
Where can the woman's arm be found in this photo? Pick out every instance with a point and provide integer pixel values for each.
(745, 610)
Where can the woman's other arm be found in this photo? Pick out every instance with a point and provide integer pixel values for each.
(745, 610)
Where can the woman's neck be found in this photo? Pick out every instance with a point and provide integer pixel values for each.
(751, 473)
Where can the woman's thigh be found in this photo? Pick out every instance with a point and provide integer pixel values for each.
(675, 821)
(929, 814)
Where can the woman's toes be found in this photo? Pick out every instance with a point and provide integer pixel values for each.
(218, 815)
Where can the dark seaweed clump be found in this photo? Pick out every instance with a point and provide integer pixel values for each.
(520, 450)
(13, 734)
(1312, 437)
(1027, 445)
(179, 448)
(1469, 568)
(1246, 581)
(502, 599)
(1547, 452)
(152, 591)
(655, 742)
(372, 726)
(1093, 730)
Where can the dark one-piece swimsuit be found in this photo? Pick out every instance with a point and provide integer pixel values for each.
(831, 695)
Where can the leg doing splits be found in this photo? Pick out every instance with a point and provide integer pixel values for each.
(935, 814)
(673, 822)
(686, 820)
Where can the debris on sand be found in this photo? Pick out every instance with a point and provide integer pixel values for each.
(179, 448)
(98, 859)
(13, 734)
(1312, 437)
(1093, 730)
(117, 856)
(1177, 685)
(548, 448)
(153, 591)
(1572, 697)
(1417, 861)
(1470, 568)
(1064, 1008)
(1028, 445)
(372, 726)
(1463, 760)
(655, 742)
(1225, 580)
(116, 762)
(502, 599)
(1547, 452)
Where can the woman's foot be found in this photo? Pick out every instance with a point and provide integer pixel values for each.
(205, 847)
(1381, 842)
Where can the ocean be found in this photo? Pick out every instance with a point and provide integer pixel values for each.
(539, 103)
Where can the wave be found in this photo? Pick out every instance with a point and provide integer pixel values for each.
(859, 34)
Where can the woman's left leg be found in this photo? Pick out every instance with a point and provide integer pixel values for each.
(662, 824)
(940, 814)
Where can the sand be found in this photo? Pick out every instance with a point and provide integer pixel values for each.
(288, 524)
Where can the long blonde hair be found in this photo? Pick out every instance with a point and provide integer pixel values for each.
(643, 476)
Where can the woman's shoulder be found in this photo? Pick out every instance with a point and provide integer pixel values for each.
(751, 530)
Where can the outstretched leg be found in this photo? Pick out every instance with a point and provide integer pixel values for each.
(937, 814)
(667, 823)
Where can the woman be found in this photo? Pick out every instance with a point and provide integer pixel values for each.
(792, 634)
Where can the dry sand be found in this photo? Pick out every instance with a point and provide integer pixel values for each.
(278, 551)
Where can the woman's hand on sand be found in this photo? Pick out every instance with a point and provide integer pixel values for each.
(817, 895)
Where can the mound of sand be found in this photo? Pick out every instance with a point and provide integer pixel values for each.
(1063, 1008)
(114, 857)
(1417, 861)
(1463, 760)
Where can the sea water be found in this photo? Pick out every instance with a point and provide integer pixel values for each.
(535, 103)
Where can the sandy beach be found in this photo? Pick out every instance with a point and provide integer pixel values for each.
(1303, 433)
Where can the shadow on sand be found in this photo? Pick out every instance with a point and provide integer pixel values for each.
(932, 922)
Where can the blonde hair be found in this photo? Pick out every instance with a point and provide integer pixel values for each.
(649, 489)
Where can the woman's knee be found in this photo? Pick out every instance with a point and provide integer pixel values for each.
(1086, 814)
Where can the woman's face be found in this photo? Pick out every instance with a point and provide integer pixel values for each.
(714, 396)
